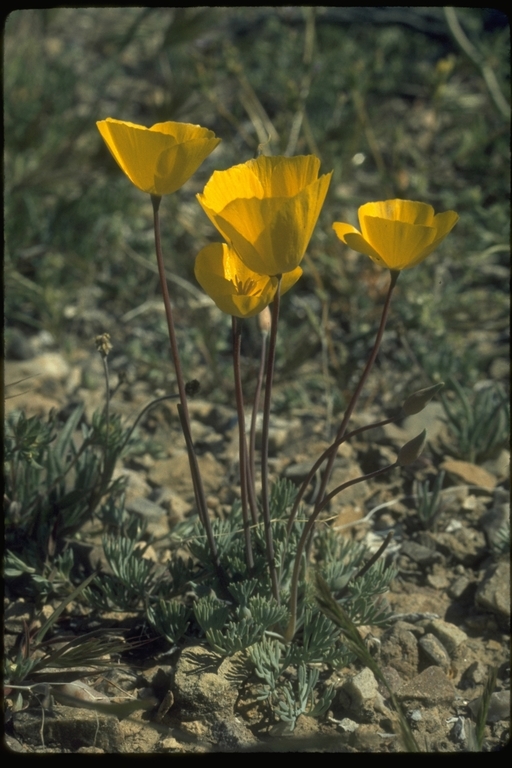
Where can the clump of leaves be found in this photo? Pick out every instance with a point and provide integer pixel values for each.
(429, 500)
(56, 478)
(239, 614)
(38, 660)
(479, 422)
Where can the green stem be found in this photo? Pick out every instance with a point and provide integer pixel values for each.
(294, 588)
(242, 443)
(184, 416)
(358, 390)
(265, 498)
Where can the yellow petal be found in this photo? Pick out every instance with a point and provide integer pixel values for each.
(271, 235)
(354, 239)
(397, 242)
(444, 223)
(397, 233)
(247, 306)
(157, 160)
(289, 279)
(224, 186)
(398, 210)
(269, 177)
(285, 176)
(234, 288)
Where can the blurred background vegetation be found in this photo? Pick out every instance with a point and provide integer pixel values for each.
(400, 102)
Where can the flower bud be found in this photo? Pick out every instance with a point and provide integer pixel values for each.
(265, 320)
(103, 344)
(418, 400)
(409, 452)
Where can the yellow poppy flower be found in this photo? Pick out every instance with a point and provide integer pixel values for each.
(397, 234)
(235, 288)
(267, 209)
(158, 160)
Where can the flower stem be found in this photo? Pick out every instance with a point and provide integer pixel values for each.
(184, 414)
(242, 443)
(290, 630)
(251, 466)
(265, 498)
(325, 455)
(355, 397)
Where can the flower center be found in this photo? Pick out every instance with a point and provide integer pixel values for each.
(244, 288)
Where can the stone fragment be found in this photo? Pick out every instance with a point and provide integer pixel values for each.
(437, 580)
(362, 688)
(400, 650)
(499, 706)
(450, 636)
(459, 586)
(434, 650)
(471, 474)
(419, 554)
(430, 688)
(70, 729)
(174, 473)
(493, 593)
(203, 690)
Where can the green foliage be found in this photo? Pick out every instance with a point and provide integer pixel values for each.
(170, 618)
(55, 481)
(132, 579)
(287, 700)
(479, 422)
(37, 660)
(501, 541)
(429, 500)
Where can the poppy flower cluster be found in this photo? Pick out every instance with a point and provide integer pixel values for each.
(266, 210)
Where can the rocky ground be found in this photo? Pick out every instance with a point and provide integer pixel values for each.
(451, 599)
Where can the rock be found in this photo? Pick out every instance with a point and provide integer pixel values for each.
(499, 707)
(434, 650)
(471, 474)
(361, 689)
(500, 466)
(450, 636)
(203, 689)
(347, 725)
(146, 509)
(419, 554)
(400, 651)
(231, 734)
(177, 507)
(430, 688)
(466, 545)
(438, 581)
(367, 738)
(175, 473)
(459, 587)
(475, 674)
(493, 593)
(70, 729)
(297, 473)
(343, 471)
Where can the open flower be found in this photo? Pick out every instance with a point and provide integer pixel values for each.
(267, 209)
(235, 288)
(397, 234)
(158, 160)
